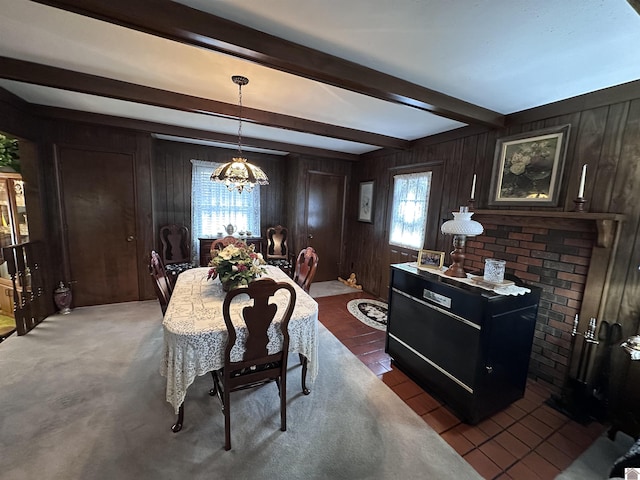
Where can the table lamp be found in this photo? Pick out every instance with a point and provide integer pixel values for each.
(460, 227)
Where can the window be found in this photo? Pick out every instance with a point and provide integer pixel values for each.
(213, 206)
(409, 209)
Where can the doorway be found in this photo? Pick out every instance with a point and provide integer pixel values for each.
(98, 209)
(324, 213)
(396, 253)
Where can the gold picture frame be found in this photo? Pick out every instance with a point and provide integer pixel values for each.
(528, 168)
(430, 259)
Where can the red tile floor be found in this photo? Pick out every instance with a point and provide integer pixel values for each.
(528, 440)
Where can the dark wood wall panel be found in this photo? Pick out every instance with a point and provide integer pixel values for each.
(172, 182)
(144, 202)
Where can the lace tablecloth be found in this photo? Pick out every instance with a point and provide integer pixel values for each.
(195, 334)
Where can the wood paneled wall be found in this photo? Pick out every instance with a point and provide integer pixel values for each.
(605, 134)
(172, 183)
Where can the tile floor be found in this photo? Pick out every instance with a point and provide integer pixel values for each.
(528, 440)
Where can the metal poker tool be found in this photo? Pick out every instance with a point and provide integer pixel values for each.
(585, 354)
(572, 345)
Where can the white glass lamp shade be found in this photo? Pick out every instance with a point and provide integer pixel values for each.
(462, 225)
(240, 174)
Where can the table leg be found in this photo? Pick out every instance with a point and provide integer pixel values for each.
(304, 361)
(178, 425)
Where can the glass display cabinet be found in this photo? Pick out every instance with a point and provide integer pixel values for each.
(14, 229)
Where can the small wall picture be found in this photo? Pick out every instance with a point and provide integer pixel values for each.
(430, 259)
(365, 206)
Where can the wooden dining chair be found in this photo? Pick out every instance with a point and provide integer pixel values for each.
(277, 252)
(223, 242)
(176, 250)
(305, 269)
(257, 366)
(162, 285)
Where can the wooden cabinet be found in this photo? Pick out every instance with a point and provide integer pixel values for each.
(205, 247)
(467, 345)
(13, 229)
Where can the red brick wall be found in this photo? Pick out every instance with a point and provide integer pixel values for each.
(556, 261)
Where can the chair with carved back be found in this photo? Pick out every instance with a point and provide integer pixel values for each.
(161, 283)
(257, 366)
(223, 242)
(277, 253)
(176, 250)
(305, 269)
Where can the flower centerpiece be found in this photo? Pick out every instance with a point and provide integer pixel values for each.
(237, 264)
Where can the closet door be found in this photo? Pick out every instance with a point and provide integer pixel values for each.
(325, 222)
(99, 222)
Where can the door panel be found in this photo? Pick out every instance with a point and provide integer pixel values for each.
(98, 197)
(397, 254)
(325, 220)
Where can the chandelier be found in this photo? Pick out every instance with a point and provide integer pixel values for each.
(239, 174)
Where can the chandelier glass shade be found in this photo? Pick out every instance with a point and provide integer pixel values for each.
(239, 174)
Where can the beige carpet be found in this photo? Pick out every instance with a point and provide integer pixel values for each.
(596, 462)
(82, 398)
(330, 288)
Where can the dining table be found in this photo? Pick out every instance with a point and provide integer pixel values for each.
(195, 334)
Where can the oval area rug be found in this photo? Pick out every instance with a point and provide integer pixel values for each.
(369, 312)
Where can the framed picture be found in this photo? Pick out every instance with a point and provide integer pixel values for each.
(527, 168)
(430, 259)
(365, 205)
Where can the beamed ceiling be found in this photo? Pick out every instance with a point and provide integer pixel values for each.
(329, 78)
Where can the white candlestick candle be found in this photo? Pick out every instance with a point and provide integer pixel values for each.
(473, 187)
(582, 180)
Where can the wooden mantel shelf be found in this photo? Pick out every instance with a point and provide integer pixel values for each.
(606, 223)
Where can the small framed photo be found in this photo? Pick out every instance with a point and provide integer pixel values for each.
(430, 259)
(365, 206)
(527, 168)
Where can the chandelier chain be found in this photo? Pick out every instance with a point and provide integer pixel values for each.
(240, 119)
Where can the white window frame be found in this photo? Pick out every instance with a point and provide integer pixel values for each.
(410, 209)
(213, 206)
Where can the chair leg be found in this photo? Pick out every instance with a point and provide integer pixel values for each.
(304, 362)
(178, 425)
(283, 403)
(214, 390)
(227, 420)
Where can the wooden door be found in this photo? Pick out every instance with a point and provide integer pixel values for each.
(325, 222)
(98, 207)
(397, 254)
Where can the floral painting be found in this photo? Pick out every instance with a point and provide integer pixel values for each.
(528, 168)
